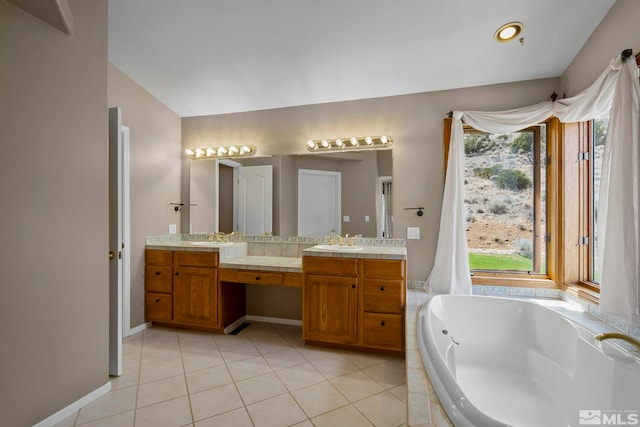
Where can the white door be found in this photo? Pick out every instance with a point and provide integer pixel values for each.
(255, 199)
(319, 195)
(115, 242)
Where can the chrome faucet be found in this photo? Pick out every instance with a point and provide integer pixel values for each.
(616, 335)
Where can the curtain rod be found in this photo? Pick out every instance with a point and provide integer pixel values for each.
(624, 55)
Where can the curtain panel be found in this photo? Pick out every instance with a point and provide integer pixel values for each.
(616, 90)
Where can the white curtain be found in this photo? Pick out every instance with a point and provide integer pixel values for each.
(617, 86)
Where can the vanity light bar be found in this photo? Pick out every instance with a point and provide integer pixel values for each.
(350, 144)
(221, 152)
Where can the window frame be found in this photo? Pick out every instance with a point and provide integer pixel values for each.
(522, 278)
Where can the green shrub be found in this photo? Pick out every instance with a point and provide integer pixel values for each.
(489, 172)
(477, 143)
(523, 143)
(512, 179)
(499, 208)
(525, 248)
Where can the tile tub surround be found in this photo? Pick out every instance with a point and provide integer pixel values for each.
(423, 405)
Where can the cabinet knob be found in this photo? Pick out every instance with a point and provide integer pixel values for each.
(382, 288)
(257, 277)
(157, 299)
(353, 286)
(382, 323)
(177, 274)
(157, 273)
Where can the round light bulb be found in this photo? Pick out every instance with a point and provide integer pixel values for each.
(199, 152)
(354, 141)
(507, 33)
(210, 151)
(324, 143)
(189, 152)
(339, 142)
(384, 139)
(311, 144)
(368, 140)
(244, 149)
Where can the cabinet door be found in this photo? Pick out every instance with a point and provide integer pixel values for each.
(330, 309)
(195, 296)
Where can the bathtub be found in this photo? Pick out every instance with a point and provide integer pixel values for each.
(506, 362)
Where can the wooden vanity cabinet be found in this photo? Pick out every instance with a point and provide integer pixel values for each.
(159, 286)
(383, 302)
(182, 288)
(354, 302)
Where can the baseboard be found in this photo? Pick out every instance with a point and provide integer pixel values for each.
(139, 328)
(234, 325)
(83, 401)
(278, 320)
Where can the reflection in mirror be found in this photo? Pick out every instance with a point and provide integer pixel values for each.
(365, 202)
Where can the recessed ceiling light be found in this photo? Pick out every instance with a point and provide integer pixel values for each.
(508, 31)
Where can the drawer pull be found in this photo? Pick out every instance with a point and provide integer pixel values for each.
(382, 288)
(353, 286)
(257, 277)
(177, 274)
(157, 299)
(382, 323)
(158, 273)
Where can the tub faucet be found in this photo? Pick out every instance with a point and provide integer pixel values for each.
(616, 335)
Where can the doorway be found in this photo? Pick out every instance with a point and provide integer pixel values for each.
(119, 239)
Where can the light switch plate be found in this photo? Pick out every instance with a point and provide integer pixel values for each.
(366, 218)
(172, 229)
(346, 218)
(413, 233)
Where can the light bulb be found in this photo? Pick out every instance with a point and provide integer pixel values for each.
(324, 143)
(368, 140)
(210, 151)
(353, 141)
(244, 149)
(189, 152)
(384, 139)
(311, 144)
(339, 142)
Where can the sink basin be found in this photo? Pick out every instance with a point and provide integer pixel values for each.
(212, 244)
(338, 248)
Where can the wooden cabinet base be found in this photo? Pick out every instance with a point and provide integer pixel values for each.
(356, 347)
(189, 327)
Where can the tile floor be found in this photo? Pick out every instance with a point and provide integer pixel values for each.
(264, 376)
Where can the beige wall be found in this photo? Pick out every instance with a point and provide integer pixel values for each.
(54, 297)
(154, 152)
(619, 30)
(415, 123)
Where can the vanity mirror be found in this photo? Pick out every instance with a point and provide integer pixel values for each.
(288, 195)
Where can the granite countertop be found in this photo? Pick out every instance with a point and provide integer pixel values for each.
(371, 252)
(266, 263)
(235, 254)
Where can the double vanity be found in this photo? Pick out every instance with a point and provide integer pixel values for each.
(352, 296)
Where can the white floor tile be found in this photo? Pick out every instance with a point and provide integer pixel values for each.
(383, 409)
(236, 418)
(248, 368)
(215, 401)
(345, 416)
(319, 398)
(119, 420)
(260, 388)
(161, 390)
(299, 376)
(112, 403)
(279, 411)
(208, 378)
(171, 413)
(356, 386)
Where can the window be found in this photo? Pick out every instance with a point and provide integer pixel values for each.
(506, 200)
(593, 158)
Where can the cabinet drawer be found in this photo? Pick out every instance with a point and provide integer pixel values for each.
(383, 296)
(259, 278)
(383, 268)
(155, 257)
(158, 306)
(337, 266)
(195, 259)
(383, 331)
(158, 278)
(292, 279)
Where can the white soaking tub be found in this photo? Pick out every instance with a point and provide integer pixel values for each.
(499, 361)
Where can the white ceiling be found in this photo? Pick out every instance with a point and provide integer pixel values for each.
(204, 57)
